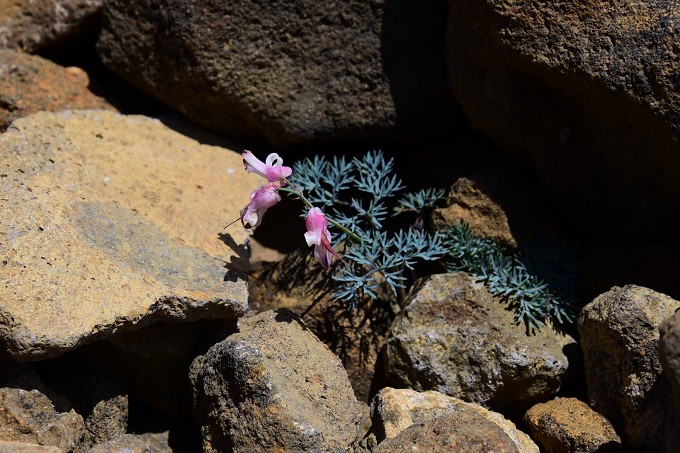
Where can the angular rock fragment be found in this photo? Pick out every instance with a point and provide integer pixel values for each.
(454, 337)
(565, 425)
(29, 416)
(274, 386)
(395, 410)
(619, 333)
(112, 222)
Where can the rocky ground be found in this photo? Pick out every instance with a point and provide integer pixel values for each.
(132, 320)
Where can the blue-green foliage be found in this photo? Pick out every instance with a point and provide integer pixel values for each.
(420, 201)
(539, 283)
(357, 194)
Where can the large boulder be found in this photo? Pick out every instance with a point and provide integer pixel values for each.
(619, 333)
(273, 386)
(454, 337)
(287, 71)
(110, 223)
(585, 93)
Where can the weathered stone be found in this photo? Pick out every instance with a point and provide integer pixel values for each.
(113, 222)
(583, 93)
(454, 432)
(620, 340)
(274, 386)
(356, 336)
(566, 425)
(669, 352)
(29, 416)
(24, 447)
(101, 400)
(454, 337)
(39, 25)
(288, 72)
(30, 84)
(135, 443)
(497, 204)
(394, 410)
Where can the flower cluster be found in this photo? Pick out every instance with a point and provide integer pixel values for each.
(264, 197)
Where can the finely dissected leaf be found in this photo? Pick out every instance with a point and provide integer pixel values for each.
(539, 283)
(531, 281)
(419, 201)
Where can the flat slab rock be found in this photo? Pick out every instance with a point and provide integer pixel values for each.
(111, 222)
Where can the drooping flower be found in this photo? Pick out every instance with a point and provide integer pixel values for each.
(272, 168)
(261, 199)
(318, 235)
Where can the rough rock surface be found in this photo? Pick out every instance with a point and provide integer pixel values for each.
(38, 25)
(585, 93)
(356, 336)
(101, 400)
(273, 386)
(112, 222)
(288, 72)
(455, 338)
(566, 425)
(497, 204)
(30, 84)
(135, 443)
(29, 416)
(7, 446)
(394, 410)
(669, 351)
(454, 432)
(620, 341)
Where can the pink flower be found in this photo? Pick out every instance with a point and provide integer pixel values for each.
(272, 169)
(261, 199)
(317, 234)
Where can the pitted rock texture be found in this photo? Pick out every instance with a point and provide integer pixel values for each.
(288, 71)
(135, 443)
(7, 446)
(29, 84)
(454, 337)
(39, 25)
(584, 93)
(356, 337)
(394, 410)
(273, 386)
(566, 425)
(29, 416)
(496, 203)
(619, 333)
(454, 432)
(112, 222)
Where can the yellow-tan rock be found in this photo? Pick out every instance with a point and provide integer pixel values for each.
(111, 222)
(565, 425)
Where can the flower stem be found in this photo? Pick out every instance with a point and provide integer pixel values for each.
(295, 190)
